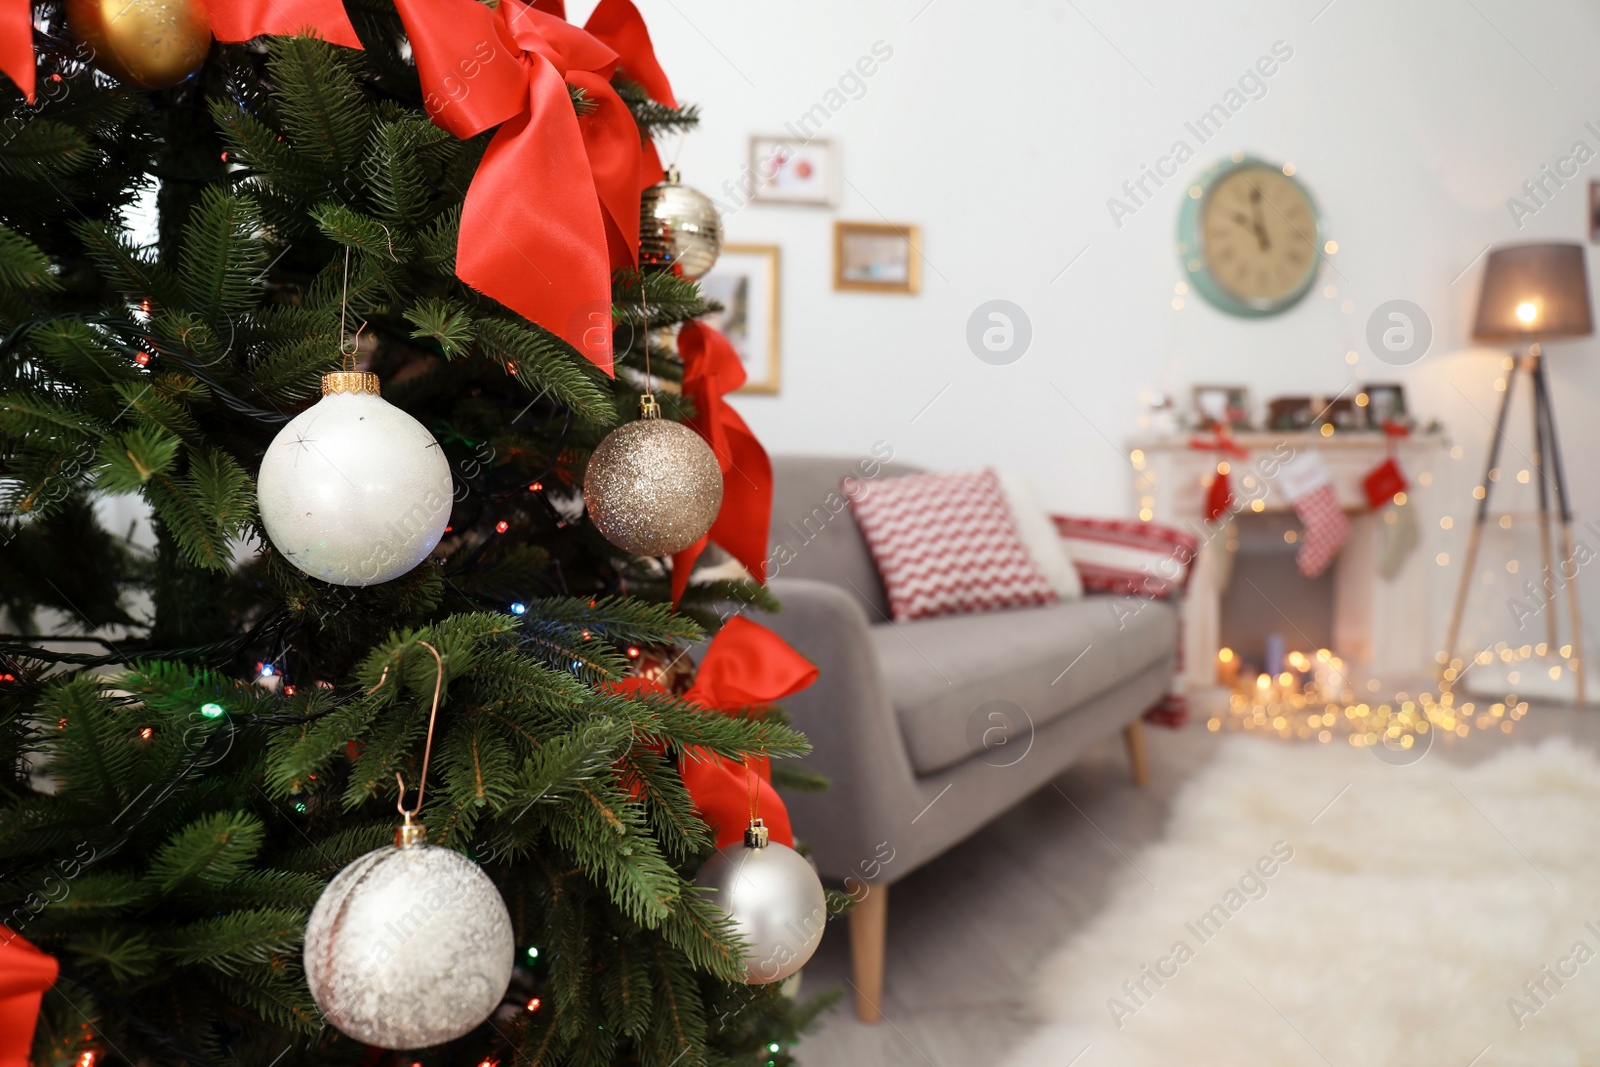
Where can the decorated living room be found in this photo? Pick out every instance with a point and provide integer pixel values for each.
(683, 533)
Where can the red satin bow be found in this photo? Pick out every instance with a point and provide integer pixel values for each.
(746, 665)
(25, 973)
(231, 20)
(711, 370)
(554, 204)
(1220, 442)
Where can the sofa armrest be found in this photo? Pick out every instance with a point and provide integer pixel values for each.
(851, 723)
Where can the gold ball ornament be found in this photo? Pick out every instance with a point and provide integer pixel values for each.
(152, 43)
(653, 487)
(678, 227)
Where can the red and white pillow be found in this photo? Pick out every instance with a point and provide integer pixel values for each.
(1127, 557)
(946, 544)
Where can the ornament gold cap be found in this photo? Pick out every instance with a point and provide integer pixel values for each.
(648, 408)
(410, 834)
(672, 177)
(757, 836)
(349, 381)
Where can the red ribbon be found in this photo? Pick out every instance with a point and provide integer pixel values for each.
(746, 665)
(1220, 442)
(231, 20)
(711, 370)
(25, 973)
(554, 204)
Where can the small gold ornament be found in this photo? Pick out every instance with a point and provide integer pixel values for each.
(153, 43)
(678, 227)
(653, 487)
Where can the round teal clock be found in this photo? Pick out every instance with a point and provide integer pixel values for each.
(1249, 237)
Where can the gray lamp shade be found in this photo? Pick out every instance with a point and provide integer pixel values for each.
(1534, 291)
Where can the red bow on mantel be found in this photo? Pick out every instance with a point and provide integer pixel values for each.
(554, 204)
(746, 665)
(711, 370)
(231, 20)
(25, 973)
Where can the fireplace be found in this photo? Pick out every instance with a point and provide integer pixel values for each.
(1267, 607)
(1381, 627)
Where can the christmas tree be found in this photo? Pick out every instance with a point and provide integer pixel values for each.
(195, 734)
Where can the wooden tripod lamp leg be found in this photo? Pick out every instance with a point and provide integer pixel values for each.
(1476, 537)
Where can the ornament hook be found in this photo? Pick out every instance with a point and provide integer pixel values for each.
(427, 750)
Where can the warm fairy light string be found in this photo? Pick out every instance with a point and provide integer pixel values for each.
(1295, 705)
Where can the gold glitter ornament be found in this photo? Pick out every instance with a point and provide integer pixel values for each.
(653, 487)
(152, 43)
(678, 227)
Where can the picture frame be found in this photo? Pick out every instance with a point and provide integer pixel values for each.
(874, 257)
(1386, 403)
(746, 281)
(1296, 413)
(784, 171)
(1219, 407)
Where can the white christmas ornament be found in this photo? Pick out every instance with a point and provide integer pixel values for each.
(775, 900)
(353, 490)
(409, 946)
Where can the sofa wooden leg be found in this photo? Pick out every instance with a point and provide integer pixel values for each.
(868, 925)
(1133, 734)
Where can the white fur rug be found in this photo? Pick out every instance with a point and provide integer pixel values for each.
(1401, 931)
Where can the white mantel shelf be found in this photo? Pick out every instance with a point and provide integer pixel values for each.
(1381, 625)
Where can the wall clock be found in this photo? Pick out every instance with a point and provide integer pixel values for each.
(1249, 237)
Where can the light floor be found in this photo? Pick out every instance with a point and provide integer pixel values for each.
(967, 931)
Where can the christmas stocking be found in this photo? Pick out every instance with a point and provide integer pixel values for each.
(1219, 497)
(1310, 489)
(1398, 535)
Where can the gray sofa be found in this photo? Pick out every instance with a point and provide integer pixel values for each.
(929, 729)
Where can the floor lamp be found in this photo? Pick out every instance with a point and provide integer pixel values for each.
(1532, 293)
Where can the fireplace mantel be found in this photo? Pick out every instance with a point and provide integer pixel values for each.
(1382, 626)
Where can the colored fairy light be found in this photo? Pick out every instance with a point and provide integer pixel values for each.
(147, 733)
(268, 670)
(211, 710)
(534, 487)
(774, 1047)
(533, 953)
(533, 1005)
(502, 526)
(519, 608)
(633, 651)
(300, 806)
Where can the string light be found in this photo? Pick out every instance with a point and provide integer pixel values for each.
(212, 710)
(1320, 703)
(534, 487)
(533, 1005)
(502, 526)
(519, 608)
(146, 733)
(633, 651)
(533, 953)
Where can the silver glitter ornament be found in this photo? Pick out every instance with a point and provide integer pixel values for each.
(653, 487)
(409, 946)
(775, 901)
(678, 227)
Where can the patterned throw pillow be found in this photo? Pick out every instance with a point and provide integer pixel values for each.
(1128, 557)
(945, 544)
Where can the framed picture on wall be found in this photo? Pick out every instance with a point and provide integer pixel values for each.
(745, 282)
(1222, 407)
(877, 257)
(788, 173)
(1386, 403)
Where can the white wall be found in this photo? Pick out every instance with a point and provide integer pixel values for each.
(1002, 128)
